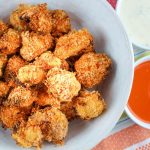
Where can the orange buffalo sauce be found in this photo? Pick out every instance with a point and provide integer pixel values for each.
(139, 101)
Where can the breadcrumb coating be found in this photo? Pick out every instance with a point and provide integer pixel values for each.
(92, 68)
(89, 105)
(34, 44)
(21, 97)
(62, 84)
(3, 27)
(48, 61)
(10, 42)
(74, 43)
(3, 61)
(12, 67)
(61, 23)
(11, 116)
(31, 75)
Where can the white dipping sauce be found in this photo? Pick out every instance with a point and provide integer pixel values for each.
(135, 15)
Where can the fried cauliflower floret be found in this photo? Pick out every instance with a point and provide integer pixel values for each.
(45, 99)
(3, 61)
(21, 97)
(12, 67)
(53, 122)
(74, 43)
(68, 108)
(28, 136)
(10, 42)
(89, 105)
(61, 23)
(62, 84)
(31, 75)
(34, 44)
(92, 68)
(11, 116)
(4, 89)
(3, 27)
(16, 18)
(38, 18)
(48, 61)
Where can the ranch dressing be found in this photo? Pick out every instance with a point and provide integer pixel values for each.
(135, 15)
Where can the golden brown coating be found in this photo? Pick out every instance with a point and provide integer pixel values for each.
(31, 74)
(61, 23)
(92, 68)
(3, 61)
(11, 117)
(21, 97)
(74, 43)
(28, 136)
(3, 27)
(68, 108)
(62, 84)
(34, 44)
(54, 121)
(4, 89)
(48, 61)
(10, 42)
(11, 70)
(45, 99)
(16, 18)
(89, 105)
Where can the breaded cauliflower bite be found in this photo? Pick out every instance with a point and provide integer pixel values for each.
(31, 75)
(4, 89)
(34, 44)
(3, 61)
(62, 84)
(61, 23)
(11, 117)
(10, 42)
(3, 27)
(74, 43)
(21, 97)
(92, 68)
(48, 61)
(50, 124)
(12, 67)
(68, 108)
(89, 105)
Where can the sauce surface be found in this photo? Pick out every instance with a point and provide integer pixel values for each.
(139, 101)
(135, 15)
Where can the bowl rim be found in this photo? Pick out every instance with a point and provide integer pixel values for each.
(118, 9)
(127, 109)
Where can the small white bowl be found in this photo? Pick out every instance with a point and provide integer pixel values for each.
(134, 42)
(130, 114)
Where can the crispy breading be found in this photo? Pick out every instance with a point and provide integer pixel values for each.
(3, 61)
(62, 84)
(34, 44)
(74, 43)
(92, 68)
(54, 121)
(48, 61)
(89, 105)
(28, 136)
(10, 42)
(21, 97)
(11, 116)
(4, 89)
(68, 108)
(16, 20)
(3, 27)
(11, 70)
(31, 74)
(61, 23)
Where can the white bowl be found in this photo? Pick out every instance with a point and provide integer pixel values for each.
(130, 114)
(110, 37)
(135, 43)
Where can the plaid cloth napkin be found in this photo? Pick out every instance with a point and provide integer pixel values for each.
(126, 135)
